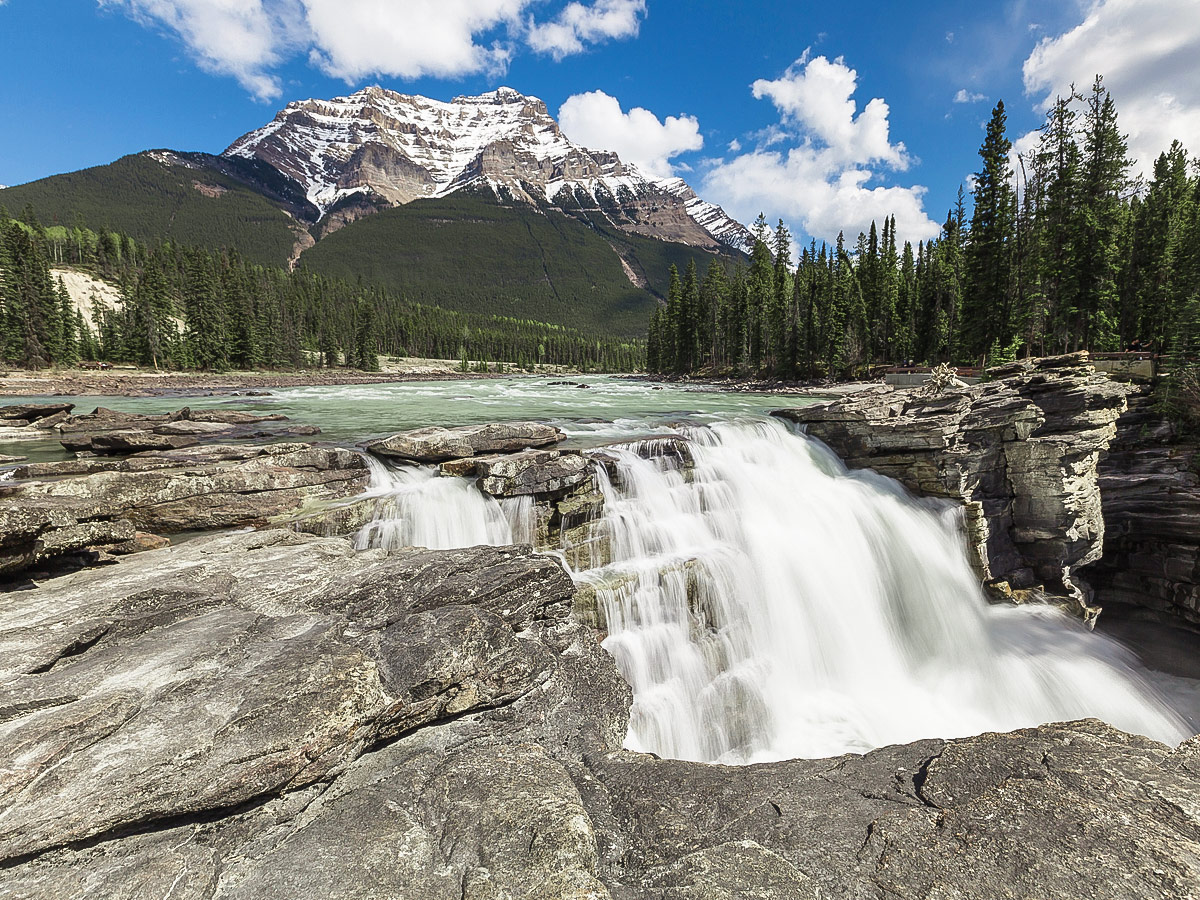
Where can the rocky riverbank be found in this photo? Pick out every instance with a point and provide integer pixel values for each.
(123, 383)
(273, 715)
(136, 478)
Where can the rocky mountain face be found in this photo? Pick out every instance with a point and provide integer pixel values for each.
(377, 148)
(1021, 452)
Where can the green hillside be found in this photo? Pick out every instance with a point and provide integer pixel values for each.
(469, 253)
(149, 201)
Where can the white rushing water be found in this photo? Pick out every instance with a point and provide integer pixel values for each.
(769, 605)
(417, 507)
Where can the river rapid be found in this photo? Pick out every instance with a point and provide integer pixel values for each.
(765, 603)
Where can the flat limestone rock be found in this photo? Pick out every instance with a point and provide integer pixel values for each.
(234, 668)
(32, 412)
(437, 444)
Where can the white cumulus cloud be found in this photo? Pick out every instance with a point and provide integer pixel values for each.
(580, 24)
(353, 39)
(818, 97)
(597, 121)
(242, 38)
(821, 178)
(1147, 51)
(357, 39)
(965, 96)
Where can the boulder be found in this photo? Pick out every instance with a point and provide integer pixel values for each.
(140, 543)
(26, 413)
(124, 442)
(437, 444)
(271, 715)
(1019, 451)
(540, 472)
(186, 426)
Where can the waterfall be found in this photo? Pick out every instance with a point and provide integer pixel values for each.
(767, 604)
(417, 507)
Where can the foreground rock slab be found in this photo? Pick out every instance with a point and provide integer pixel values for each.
(1020, 452)
(437, 444)
(50, 510)
(272, 715)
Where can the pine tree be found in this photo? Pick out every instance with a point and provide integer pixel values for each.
(366, 340)
(760, 292)
(987, 304)
(1103, 182)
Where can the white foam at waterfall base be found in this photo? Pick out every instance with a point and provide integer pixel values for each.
(770, 605)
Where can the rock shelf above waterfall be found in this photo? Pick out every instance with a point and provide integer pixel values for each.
(438, 444)
(1019, 451)
(87, 508)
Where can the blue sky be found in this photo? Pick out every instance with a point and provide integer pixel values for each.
(825, 119)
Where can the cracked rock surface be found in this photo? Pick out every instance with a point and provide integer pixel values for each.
(272, 715)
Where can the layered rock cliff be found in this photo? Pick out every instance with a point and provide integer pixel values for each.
(1020, 452)
(1150, 483)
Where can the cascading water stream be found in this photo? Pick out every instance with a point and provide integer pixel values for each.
(416, 507)
(766, 604)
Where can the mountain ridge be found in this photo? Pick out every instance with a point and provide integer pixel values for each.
(390, 149)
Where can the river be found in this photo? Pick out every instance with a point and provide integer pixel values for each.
(765, 603)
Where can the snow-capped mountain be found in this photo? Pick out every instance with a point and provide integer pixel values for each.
(392, 148)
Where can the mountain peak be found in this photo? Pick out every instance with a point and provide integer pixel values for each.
(391, 148)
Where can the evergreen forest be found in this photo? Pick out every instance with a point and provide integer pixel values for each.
(193, 308)
(1064, 250)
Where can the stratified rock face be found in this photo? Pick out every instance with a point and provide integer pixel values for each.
(1020, 452)
(1150, 482)
(387, 148)
(54, 509)
(437, 444)
(273, 716)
